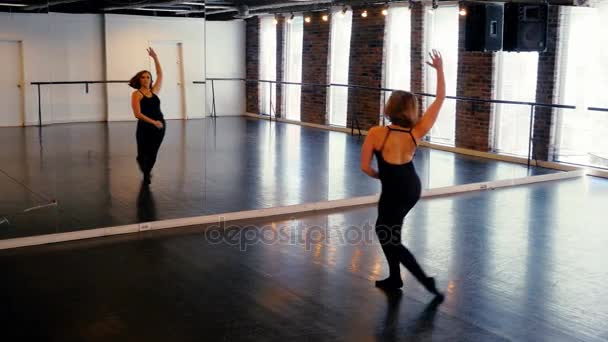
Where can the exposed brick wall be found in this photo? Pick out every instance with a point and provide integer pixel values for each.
(475, 75)
(545, 89)
(314, 68)
(417, 51)
(365, 66)
(252, 56)
(280, 51)
(475, 79)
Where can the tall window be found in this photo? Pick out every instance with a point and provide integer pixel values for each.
(515, 81)
(397, 68)
(442, 34)
(583, 79)
(294, 34)
(341, 24)
(268, 65)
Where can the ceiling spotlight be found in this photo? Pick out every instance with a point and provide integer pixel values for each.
(463, 11)
(325, 17)
(385, 12)
(435, 5)
(364, 14)
(343, 13)
(275, 20)
(292, 16)
(307, 19)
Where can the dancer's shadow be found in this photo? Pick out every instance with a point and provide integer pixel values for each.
(423, 325)
(146, 207)
(391, 322)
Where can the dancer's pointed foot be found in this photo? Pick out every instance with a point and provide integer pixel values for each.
(390, 283)
(432, 288)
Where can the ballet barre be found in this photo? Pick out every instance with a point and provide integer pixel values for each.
(86, 86)
(354, 119)
(473, 100)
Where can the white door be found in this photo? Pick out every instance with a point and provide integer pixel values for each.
(11, 87)
(172, 91)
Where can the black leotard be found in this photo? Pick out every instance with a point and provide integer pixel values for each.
(150, 107)
(149, 137)
(401, 190)
(400, 182)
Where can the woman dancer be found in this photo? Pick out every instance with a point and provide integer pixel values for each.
(394, 147)
(150, 124)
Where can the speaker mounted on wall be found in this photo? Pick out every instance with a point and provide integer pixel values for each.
(484, 26)
(525, 27)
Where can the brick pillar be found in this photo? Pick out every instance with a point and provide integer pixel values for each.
(475, 79)
(252, 56)
(545, 89)
(280, 50)
(315, 51)
(418, 54)
(365, 66)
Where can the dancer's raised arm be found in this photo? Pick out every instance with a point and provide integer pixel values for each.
(424, 125)
(159, 71)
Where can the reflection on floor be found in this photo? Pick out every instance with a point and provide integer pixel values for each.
(204, 167)
(518, 264)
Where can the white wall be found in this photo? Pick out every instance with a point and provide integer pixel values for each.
(225, 49)
(127, 38)
(77, 50)
(59, 47)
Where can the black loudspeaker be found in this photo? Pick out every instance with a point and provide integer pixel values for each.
(525, 27)
(484, 25)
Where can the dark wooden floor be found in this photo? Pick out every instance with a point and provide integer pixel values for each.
(518, 264)
(204, 167)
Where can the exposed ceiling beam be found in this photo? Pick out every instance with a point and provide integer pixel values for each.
(275, 6)
(144, 4)
(49, 4)
(296, 6)
(207, 6)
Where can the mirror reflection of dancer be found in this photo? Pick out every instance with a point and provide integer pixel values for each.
(150, 124)
(394, 147)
